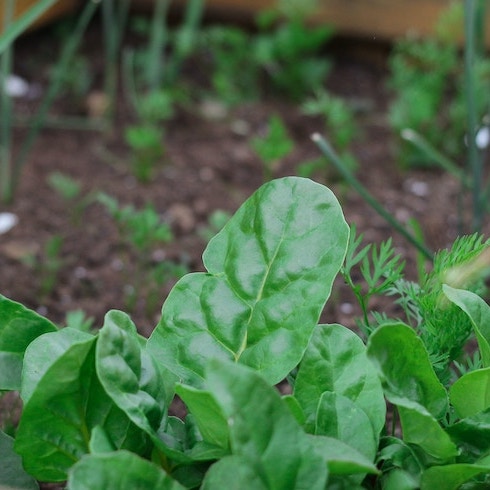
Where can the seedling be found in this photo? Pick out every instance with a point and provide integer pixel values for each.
(141, 232)
(272, 147)
(47, 265)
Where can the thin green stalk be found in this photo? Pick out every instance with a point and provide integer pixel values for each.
(114, 21)
(474, 157)
(186, 37)
(155, 62)
(66, 55)
(349, 177)
(6, 111)
(435, 155)
(13, 30)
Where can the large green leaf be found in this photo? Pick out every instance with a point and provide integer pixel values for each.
(479, 313)
(12, 474)
(470, 394)
(419, 427)
(128, 374)
(59, 415)
(270, 271)
(263, 432)
(119, 470)
(19, 326)
(405, 369)
(336, 361)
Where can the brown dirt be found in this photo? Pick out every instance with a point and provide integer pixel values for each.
(208, 165)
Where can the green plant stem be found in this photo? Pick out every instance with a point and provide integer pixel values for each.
(114, 21)
(13, 30)
(349, 177)
(155, 62)
(474, 157)
(6, 190)
(54, 87)
(435, 155)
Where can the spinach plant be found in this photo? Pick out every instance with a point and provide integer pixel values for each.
(96, 407)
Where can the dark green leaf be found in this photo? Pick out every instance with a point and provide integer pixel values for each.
(19, 326)
(58, 418)
(271, 270)
(405, 369)
(117, 471)
(473, 432)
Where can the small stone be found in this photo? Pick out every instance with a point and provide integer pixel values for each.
(7, 222)
(183, 217)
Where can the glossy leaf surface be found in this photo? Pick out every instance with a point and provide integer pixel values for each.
(128, 374)
(270, 271)
(336, 361)
(405, 369)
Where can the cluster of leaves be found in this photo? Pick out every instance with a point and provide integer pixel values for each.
(96, 406)
(427, 77)
(442, 326)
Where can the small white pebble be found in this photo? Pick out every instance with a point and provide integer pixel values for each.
(7, 222)
(346, 308)
(483, 137)
(418, 188)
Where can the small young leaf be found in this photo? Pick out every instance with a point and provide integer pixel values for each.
(405, 368)
(419, 427)
(128, 374)
(43, 352)
(340, 418)
(336, 361)
(271, 270)
(470, 394)
(479, 313)
(18, 328)
(12, 474)
(117, 470)
(209, 418)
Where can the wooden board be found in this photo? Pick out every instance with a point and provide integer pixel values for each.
(60, 8)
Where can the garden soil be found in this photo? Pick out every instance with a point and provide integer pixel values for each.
(208, 165)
